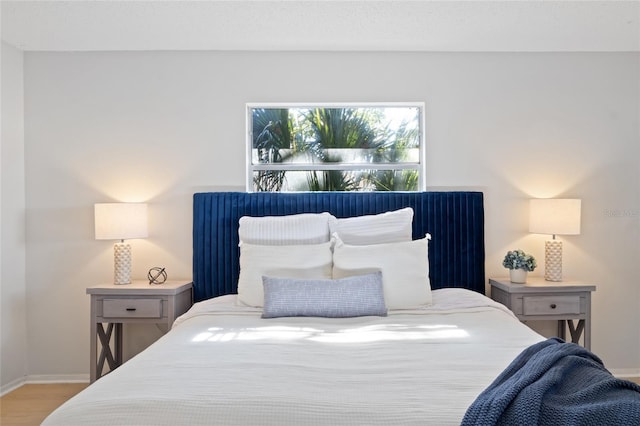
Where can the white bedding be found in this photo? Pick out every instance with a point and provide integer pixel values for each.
(222, 364)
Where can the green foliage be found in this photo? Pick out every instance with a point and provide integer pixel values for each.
(343, 127)
(331, 180)
(273, 132)
(269, 180)
(518, 259)
(323, 134)
(394, 151)
(394, 180)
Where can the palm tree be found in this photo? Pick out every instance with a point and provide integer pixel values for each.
(395, 151)
(273, 135)
(334, 129)
(324, 135)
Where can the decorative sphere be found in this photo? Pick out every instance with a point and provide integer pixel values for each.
(157, 275)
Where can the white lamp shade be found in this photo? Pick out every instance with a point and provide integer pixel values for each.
(555, 216)
(120, 221)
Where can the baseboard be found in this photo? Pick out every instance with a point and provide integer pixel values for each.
(12, 385)
(626, 372)
(57, 378)
(43, 379)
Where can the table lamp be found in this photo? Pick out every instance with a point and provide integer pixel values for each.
(121, 221)
(554, 216)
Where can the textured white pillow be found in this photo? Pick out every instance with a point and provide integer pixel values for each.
(404, 266)
(388, 227)
(311, 261)
(297, 229)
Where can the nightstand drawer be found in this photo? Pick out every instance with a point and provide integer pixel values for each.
(132, 308)
(551, 305)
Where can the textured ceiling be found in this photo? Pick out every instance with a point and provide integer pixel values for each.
(414, 25)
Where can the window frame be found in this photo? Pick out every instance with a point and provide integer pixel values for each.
(251, 168)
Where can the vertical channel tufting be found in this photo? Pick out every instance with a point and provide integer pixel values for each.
(454, 219)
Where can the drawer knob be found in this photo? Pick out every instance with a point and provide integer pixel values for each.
(553, 306)
(133, 309)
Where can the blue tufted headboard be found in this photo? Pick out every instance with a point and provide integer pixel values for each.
(455, 221)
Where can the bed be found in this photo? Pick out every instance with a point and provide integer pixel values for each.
(269, 353)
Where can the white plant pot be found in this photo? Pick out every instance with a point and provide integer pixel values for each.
(518, 276)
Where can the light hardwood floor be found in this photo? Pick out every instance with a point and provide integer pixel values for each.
(30, 404)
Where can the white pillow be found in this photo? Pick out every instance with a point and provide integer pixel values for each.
(311, 261)
(297, 229)
(388, 227)
(404, 266)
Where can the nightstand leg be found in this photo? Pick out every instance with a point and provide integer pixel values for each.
(576, 331)
(93, 352)
(562, 330)
(118, 344)
(587, 334)
(105, 343)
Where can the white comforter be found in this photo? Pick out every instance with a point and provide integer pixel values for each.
(222, 364)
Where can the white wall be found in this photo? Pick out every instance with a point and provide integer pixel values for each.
(157, 127)
(13, 367)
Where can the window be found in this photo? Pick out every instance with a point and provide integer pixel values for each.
(335, 147)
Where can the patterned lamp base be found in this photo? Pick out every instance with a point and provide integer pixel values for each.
(122, 263)
(553, 260)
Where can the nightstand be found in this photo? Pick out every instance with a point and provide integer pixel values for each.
(539, 299)
(138, 302)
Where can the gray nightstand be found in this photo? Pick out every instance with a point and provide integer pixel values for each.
(138, 302)
(538, 299)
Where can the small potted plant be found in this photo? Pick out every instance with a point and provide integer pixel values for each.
(519, 263)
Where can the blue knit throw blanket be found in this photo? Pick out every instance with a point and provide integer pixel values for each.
(556, 383)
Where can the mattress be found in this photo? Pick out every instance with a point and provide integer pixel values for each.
(223, 364)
